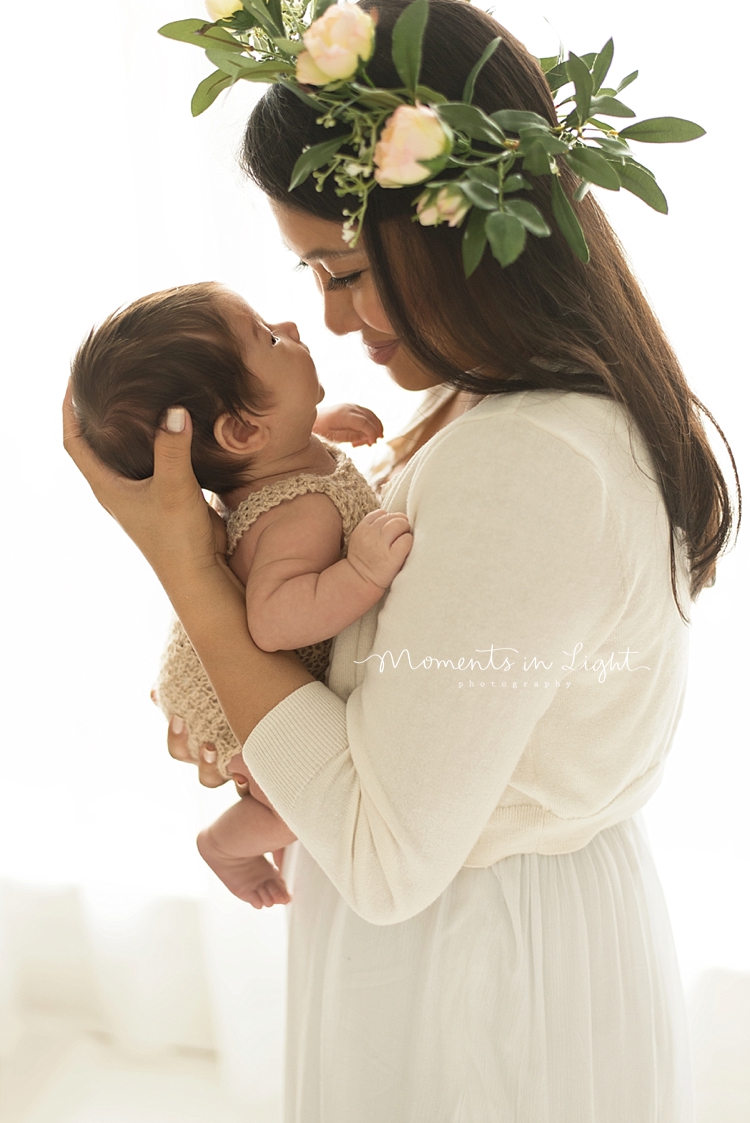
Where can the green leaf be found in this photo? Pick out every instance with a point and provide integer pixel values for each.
(291, 47)
(241, 20)
(626, 81)
(480, 194)
(474, 241)
(591, 166)
(470, 120)
(551, 144)
(308, 99)
(535, 159)
(486, 54)
(242, 66)
(430, 97)
(612, 146)
(321, 6)
(376, 99)
(602, 64)
(406, 48)
(610, 107)
(639, 182)
(515, 182)
(484, 174)
(557, 77)
(507, 237)
(566, 219)
(200, 34)
(581, 78)
(208, 91)
(274, 10)
(314, 158)
(259, 10)
(529, 216)
(581, 190)
(549, 63)
(513, 120)
(663, 130)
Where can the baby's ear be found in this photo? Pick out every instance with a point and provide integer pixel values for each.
(240, 437)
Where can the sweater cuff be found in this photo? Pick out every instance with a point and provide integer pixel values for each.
(295, 740)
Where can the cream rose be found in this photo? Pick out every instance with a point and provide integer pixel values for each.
(449, 205)
(335, 43)
(222, 9)
(411, 134)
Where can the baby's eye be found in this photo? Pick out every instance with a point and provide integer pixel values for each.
(335, 283)
(275, 339)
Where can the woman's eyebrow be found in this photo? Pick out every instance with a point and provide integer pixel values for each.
(318, 255)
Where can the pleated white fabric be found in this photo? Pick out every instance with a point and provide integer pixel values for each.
(543, 989)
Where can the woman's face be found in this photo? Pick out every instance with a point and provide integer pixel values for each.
(351, 302)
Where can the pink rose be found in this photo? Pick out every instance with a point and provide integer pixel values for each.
(412, 133)
(335, 43)
(449, 205)
(222, 9)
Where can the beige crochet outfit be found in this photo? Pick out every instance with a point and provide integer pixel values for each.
(183, 688)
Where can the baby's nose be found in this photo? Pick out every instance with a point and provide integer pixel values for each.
(289, 328)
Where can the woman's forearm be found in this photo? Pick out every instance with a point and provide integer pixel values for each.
(247, 681)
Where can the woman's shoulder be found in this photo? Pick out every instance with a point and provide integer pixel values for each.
(542, 426)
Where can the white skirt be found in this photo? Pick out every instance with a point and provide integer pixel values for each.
(543, 989)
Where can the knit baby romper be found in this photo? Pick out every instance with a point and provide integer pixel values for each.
(183, 688)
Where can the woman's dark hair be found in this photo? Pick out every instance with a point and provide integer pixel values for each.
(172, 348)
(546, 322)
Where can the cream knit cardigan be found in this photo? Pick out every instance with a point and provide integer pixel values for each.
(540, 537)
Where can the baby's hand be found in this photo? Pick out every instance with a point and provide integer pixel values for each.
(349, 424)
(379, 546)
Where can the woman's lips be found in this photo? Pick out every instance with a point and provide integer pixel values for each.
(382, 353)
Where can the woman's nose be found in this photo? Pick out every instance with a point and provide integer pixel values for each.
(339, 313)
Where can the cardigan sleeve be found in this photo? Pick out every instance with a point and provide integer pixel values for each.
(516, 550)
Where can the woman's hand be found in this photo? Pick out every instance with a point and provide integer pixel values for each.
(166, 516)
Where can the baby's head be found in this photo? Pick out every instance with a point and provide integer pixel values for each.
(198, 346)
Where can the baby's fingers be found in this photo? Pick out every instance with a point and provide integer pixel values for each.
(393, 527)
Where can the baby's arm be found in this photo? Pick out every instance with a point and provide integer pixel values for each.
(298, 592)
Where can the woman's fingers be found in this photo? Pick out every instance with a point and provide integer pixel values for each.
(177, 740)
(208, 769)
(177, 744)
(173, 477)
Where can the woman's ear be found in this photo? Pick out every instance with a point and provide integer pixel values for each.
(240, 437)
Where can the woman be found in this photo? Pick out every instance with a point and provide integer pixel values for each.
(477, 930)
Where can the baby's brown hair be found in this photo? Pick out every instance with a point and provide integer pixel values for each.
(171, 348)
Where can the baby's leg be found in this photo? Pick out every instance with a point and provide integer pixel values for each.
(234, 846)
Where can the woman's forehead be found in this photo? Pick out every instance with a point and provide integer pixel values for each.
(312, 239)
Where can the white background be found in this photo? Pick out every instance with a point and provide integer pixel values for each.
(111, 191)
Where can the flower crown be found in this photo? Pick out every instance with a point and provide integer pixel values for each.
(319, 49)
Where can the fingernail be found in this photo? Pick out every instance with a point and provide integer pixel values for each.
(175, 419)
(177, 725)
(209, 755)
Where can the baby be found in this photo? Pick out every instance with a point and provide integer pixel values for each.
(304, 532)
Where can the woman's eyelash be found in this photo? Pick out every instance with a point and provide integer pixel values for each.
(335, 283)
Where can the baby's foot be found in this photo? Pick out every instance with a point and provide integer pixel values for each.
(253, 880)
(263, 885)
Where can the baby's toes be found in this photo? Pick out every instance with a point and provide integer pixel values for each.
(279, 891)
